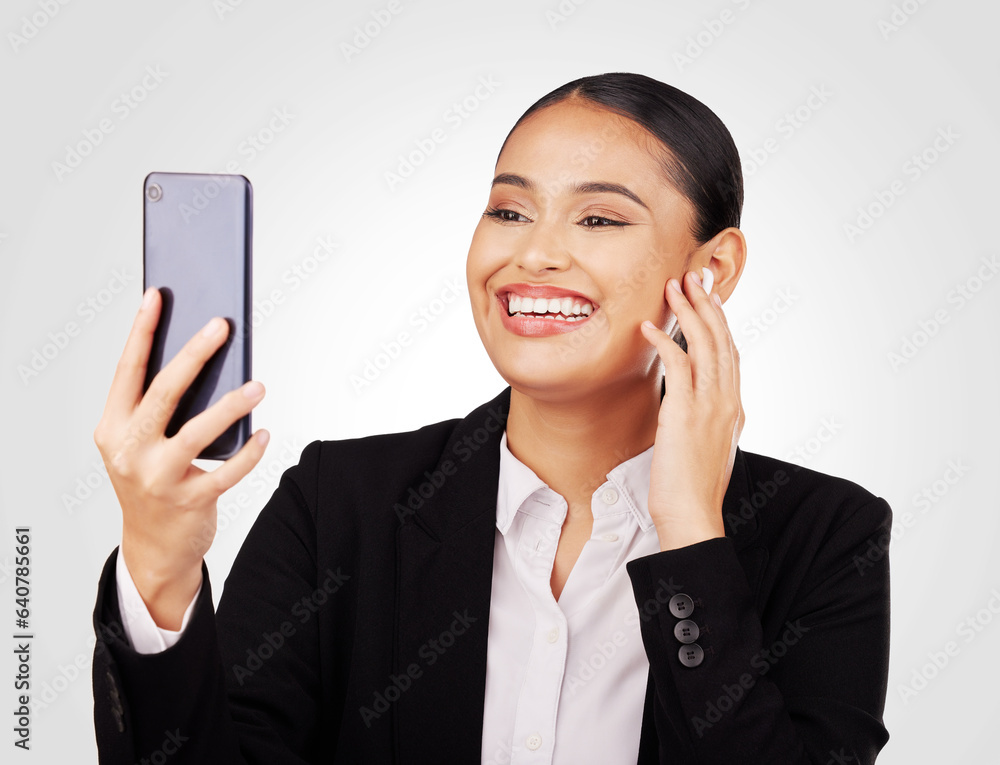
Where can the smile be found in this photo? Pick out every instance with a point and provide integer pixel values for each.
(534, 311)
(566, 308)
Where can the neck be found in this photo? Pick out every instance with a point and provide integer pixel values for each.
(572, 444)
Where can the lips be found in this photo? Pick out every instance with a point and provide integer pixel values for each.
(541, 310)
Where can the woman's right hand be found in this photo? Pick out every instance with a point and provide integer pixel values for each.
(168, 504)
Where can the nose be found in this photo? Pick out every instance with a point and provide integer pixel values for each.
(542, 248)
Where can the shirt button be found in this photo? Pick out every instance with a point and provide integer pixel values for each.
(609, 496)
(552, 635)
(610, 537)
(533, 741)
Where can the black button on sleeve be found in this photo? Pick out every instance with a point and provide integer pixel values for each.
(681, 606)
(691, 655)
(686, 631)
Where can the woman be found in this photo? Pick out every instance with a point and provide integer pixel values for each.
(585, 569)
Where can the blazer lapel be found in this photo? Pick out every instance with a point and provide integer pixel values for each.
(445, 570)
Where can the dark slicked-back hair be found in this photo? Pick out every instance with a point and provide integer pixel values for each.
(700, 158)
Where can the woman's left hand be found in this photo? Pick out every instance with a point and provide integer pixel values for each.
(700, 419)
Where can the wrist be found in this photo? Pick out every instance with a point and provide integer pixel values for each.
(166, 592)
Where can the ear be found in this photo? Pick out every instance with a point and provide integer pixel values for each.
(725, 254)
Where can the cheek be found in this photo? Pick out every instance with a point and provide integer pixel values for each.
(482, 261)
(636, 290)
(479, 267)
(634, 269)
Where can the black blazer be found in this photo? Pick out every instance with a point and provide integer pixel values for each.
(353, 626)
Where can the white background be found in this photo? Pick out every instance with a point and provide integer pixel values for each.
(817, 378)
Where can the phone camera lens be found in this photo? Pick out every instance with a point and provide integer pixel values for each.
(153, 192)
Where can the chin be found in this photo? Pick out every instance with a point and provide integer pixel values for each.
(551, 384)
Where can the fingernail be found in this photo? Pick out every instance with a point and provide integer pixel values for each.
(675, 285)
(253, 389)
(262, 437)
(147, 299)
(648, 324)
(696, 278)
(717, 299)
(213, 327)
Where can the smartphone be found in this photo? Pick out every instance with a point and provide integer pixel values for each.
(197, 237)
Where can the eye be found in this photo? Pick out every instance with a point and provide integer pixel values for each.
(505, 216)
(599, 221)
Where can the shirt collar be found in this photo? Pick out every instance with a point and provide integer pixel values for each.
(517, 482)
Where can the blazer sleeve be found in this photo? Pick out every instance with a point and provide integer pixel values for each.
(240, 686)
(810, 691)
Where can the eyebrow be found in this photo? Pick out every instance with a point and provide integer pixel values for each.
(594, 187)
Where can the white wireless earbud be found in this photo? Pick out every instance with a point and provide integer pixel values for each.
(707, 278)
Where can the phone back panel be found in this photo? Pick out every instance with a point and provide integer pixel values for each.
(197, 251)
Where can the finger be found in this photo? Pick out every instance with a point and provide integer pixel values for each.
(676, 364)
(730, 362)
(166, 389)
(692, 307)
(232, 471)
(202, 430)
(130, 374)
(714, 317)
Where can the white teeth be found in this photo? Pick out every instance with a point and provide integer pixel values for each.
(565, 308)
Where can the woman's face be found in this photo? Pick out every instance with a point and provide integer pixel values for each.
(581, 216)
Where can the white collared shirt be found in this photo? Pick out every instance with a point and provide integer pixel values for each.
(566, 680)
